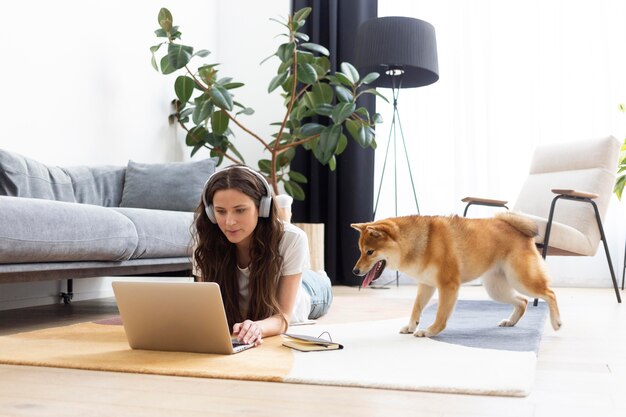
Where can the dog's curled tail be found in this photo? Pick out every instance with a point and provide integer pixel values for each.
(521, 223)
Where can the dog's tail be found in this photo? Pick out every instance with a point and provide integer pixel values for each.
(523, 224)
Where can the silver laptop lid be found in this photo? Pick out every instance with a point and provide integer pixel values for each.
(174, 316)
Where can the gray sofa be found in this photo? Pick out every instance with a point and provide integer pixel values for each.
(75, 222)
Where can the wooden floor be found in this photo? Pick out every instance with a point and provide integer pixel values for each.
(581, 371)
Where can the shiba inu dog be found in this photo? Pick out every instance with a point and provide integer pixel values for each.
(444, 252)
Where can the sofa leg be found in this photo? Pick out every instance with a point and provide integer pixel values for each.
(67, 296)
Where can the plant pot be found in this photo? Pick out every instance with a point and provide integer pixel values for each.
(314, 231)
(283, 204)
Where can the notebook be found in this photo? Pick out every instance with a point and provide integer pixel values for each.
(175, 316)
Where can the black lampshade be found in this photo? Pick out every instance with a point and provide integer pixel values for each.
(397, 42)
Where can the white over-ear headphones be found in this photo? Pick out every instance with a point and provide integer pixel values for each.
(264, 204)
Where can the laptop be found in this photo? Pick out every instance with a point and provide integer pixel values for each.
(175, 316)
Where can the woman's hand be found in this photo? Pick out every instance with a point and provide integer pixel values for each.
(248, 332)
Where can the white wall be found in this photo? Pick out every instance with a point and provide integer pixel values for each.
(78, 88)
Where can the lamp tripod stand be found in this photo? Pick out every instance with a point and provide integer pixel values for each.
(403, 50)
(396, 75)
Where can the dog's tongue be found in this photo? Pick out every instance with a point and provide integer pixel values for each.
(372, 274)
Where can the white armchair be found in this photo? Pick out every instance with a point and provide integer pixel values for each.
(581, 175)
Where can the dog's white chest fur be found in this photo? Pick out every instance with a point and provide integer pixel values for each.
(426, 276)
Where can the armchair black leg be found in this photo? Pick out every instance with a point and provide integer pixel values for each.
(600, 228)
(606, 250)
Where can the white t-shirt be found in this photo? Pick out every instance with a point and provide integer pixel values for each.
(294, 248)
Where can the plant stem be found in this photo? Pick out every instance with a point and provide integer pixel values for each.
(277, 148)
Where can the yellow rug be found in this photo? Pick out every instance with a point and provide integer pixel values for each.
(104, 348)
(374, 356)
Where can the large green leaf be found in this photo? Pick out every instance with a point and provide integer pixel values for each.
(265, 166)
(183, 86)
(341, 146)
(354, 128)
(329, 139)
(165, 19)
(310, 100)
(370, 78)
(293, 189)
(153, 50)
(232, 86)
(341, 78)
(332, 163)
(221, 97)
(305, 57)
(178, 55)
(324, 64)
(248, 111)
(315, 48)
(323, 93)
(285, 51)
(302, 14)
(311, 129)
(351, 72)
(374, 92)
(196, 136)
(324, 110)
(196, 148)
(342, 111)
(203, 109)
(297, 177)
(306, 73)
(219, 122)
(277, 81)
(343, 94)
(302, 36)
(166, 68)
(203, 53)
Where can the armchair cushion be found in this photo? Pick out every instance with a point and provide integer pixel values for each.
(567, 239)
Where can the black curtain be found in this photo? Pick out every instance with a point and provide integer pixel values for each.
(346, 195)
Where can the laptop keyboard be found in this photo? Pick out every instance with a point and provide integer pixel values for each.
(239, 346)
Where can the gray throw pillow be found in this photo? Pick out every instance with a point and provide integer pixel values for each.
(25, 177)
(170, 186)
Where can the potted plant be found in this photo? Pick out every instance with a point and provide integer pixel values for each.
(205, 106)
(621, 167)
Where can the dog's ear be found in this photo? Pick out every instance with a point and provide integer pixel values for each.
(359, 226)
(376, 231)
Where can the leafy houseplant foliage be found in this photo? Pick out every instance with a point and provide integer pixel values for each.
(621, 168)
(206, 108)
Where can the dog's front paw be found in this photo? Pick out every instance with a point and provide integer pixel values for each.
(506, 323)
(409, 328)
(428, 332)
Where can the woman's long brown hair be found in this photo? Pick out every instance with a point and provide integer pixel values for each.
(216, 258)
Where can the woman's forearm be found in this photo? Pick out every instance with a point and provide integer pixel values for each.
(273, 325)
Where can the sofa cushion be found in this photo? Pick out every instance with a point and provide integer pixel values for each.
(37, 230)
(161, 233)
(170, 186)
(99, 185)
(25, 177)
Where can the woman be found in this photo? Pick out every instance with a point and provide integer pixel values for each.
(258, 260)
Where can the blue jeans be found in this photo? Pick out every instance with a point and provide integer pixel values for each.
(319, 288)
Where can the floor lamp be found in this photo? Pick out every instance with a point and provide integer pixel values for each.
(403, 50)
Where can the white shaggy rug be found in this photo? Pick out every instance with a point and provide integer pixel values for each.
(375, 355)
